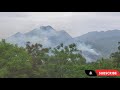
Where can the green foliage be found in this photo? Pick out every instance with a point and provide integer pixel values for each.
(116, 56)
(13, 60)
(34, 61)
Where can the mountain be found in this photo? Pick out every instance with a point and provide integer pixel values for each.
(49, 37)
(45, 35)
(17, 38)
(93, 45)
(60, 37)
(104, 42)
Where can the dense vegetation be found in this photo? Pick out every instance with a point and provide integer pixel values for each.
(34, 61)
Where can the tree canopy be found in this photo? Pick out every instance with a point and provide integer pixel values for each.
(59, 62)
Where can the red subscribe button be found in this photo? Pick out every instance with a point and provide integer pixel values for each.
(102, 72)
(107, 73)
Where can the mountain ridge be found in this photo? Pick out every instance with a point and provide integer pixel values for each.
(93, 44)
(103, 41)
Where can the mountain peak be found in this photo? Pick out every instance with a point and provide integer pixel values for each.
(46, 27)
(18, 34)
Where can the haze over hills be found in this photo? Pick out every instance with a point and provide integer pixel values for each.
(105, 42)
(93, 44)
(45, 35)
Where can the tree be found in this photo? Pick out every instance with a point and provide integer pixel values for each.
(116, 55)
(14, 61)
(37, 53)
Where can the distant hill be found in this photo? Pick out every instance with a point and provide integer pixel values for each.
(45, 35)
(93, 44)
(49, 37)
(105, 42)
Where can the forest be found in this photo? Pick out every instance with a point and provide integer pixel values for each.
(34, 61)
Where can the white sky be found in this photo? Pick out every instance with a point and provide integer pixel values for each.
(75, 23)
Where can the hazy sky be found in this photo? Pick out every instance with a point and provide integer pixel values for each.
(75, 23)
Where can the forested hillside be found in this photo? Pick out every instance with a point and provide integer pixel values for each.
(104, 42)
(35, 61)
